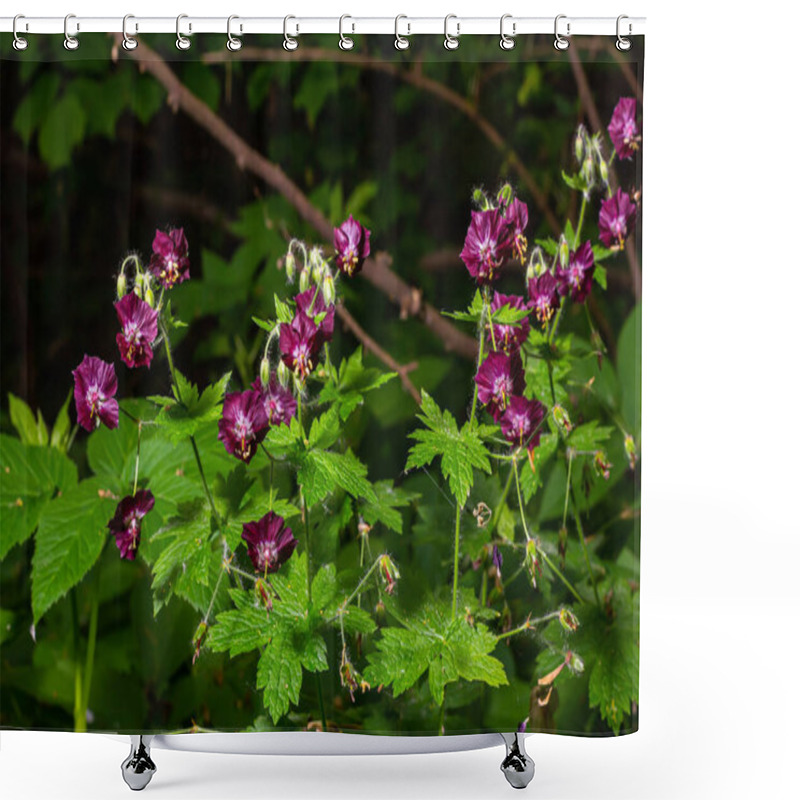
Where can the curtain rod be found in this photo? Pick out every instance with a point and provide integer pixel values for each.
(297, 25)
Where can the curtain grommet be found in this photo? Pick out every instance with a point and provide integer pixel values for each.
(560, 42)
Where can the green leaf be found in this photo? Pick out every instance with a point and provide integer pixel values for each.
(72, 531)
(264, 324)
(325, 430)
(59, 436)
(242, 629)
(354, 381)
(461, 451)
(322, 471)
(283, 311)
(29, 477)
(589, 436)
(531, 479)
(30, 429)
(576, 182)
(601, 276)
(280, 675)
(388, 498)
(185, 418)
(473, 314)
(62, 130)
(35, 105)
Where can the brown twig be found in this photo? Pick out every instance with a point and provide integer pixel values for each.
(374, 348)
(376, 271)
(414, 77)
(585, 93)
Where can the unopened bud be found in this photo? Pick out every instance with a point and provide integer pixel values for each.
(283, 374)
(630, 451)
(562, 418)
(122, 285)
(579, 145)
(305, 279)
(603, 168)
(563, 252)
(568, 620)
(317, 264)
(291, 266)
(328, 289)
(587, 171)
(506, 195)
(198, 639)
(263, 372)
(532, 561)
(480, 199)
(602, 465)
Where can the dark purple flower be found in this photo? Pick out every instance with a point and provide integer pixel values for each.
(517, 221)
(521, 419)
(139, 329)
(300, 342)
(95, 387)
(243, 424)
(279, 403)
(576, 279)
(269, 542)
(351, 240)
(126, 524)
(616, 214)
(623, 130)
(487, 244)
(509, 338)
(170, 260)
(497, 558)
(543, 292)
(304, 302)
(498, 379)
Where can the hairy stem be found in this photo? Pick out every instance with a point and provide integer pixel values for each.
(519, 500)
(557, 572)
(580, 222)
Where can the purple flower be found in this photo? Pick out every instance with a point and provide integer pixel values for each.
(300, 342)
(543, 292)
(521, 419)
(576, 279)
(486, 246)
(351, 240)
(517, 221)
(498, 379)
(279, 403)
(243, 424)
(304, 302)
(139, 329)
(126, 524)
(170, 260)
(616, 214)
(623, 130)
(95, 387)
(269, 542)
(509, 338)
(497, 558)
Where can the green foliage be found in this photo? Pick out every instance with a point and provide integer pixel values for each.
(448, 649)
(189, 410)
(461, 450)
(346, 389)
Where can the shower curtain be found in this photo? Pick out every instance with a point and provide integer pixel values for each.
(321, 385)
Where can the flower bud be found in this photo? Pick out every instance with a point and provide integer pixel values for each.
(389, 572)
(198, 639)
(317, 264)
(263, 372)
(122, 285)
(536, 265)
(579, 143)
(328, 288)
(568, 620)
(480, 199)
(630, 451)
(532, 561)
(562, 418)
(506, 195)
(563, 252)
(603, 167)
(587, 171)
(602, 465)
(283, 374)
(149, 297)
(305, 279)
(291, 266)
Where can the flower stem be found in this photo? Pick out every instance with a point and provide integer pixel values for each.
(77, 707)
(557, 572)
(88, 669)
(480, 361)
(357, 590)
(585, 549)
(455, 561)
(566, 493)
(138, 450)
(501, 503)
(168, 351)
(441, 712)
(217, 518)
(580, 222)
(519, 500)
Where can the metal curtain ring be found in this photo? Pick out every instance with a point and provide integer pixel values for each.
(507, 42)
(182, 43)
(623, 44)
(451, 42)
(345, 42)
(70, 42)
(233, 44)
(289, 43)
(20, 43)
(560, 42)
(128, 42)
(400, 42)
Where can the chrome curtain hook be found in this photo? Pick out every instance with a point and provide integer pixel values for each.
(345, 42)
(233, 44)
(70, 42)
(20, 43)
(560, 42)
(182, 43)
(450, 41)
(289, 42)
(507, 42)
(400, 42)
(128, 42)
(623, 44)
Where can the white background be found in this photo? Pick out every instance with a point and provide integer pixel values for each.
(721, 537)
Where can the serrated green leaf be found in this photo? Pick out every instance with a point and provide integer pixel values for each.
(264, 324)
(325, 430)
(530, 478)
(30, 429)
(589, 436)
(185, 418)
(280, 675)
(354, 381)
(357, 620)
(388, 498)
(72, 531)
(242, 630)
(314, 654)
(282, 310)
(576, 182)
(59, 436)
(323, 471)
